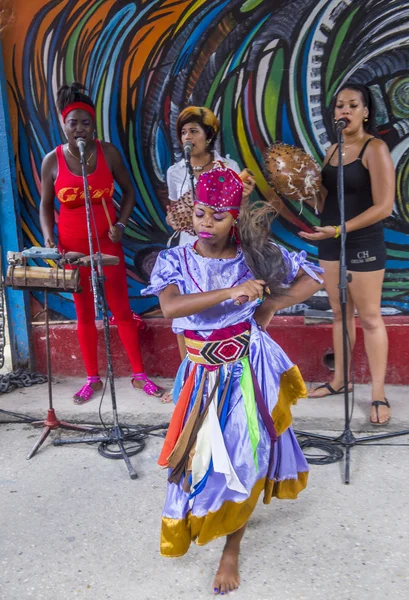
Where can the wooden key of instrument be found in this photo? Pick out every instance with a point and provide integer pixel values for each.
(107, 260)
(71, 258)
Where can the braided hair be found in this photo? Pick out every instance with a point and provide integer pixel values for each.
(67, 94)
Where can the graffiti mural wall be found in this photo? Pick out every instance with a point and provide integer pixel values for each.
(267, 69)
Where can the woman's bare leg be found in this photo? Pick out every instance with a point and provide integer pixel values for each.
(366, 291)
(227, 577)
(331, 282)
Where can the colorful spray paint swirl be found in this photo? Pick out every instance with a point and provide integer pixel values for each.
(268, 70)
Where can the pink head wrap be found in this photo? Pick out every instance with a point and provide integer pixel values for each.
(221, 189)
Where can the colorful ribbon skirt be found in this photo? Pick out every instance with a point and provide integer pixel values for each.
(220, 445)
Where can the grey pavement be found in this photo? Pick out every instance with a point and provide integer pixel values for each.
(135, 407)
(74, 525)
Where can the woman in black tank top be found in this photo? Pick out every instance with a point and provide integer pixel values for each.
(369, 181)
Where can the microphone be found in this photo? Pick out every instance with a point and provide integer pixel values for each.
(341, 124)
(81, 146)
(187, 151)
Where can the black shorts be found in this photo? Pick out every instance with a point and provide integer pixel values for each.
(362, 254)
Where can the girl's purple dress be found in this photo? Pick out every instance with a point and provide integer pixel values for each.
(230, 437)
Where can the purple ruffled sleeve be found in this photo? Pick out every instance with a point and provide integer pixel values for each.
(298, 260)
(166, 272)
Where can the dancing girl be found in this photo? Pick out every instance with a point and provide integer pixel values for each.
(230, 437)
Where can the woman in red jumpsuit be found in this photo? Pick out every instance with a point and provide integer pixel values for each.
(61, 177)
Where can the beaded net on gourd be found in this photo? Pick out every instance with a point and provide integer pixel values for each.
(181, 213)
(292, 173)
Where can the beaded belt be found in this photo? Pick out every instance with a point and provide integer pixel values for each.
(218, 352)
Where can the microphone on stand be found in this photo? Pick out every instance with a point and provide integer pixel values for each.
(81, 143)
(341, 124)
(187, 151)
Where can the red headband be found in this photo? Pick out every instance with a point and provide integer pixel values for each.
(78, 105)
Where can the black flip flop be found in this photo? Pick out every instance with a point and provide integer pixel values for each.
(377, 404)
(330, 389)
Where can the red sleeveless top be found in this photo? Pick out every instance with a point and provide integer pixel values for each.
(69, 189)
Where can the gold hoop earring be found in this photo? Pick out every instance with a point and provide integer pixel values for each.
(366, 120)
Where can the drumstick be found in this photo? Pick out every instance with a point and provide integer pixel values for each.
(107, 213)
(241, 300)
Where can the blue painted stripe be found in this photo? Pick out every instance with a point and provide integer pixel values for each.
(293, 240)
(397, 264)
(10, 235)
(236, 60)
(197, 34)
(286, 130)
(396, 237)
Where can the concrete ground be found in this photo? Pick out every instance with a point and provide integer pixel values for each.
(74, 525)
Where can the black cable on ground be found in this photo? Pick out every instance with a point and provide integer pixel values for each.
(30, 419)
(332, 452)
(23, 418)
(134, 436)
(134, 439)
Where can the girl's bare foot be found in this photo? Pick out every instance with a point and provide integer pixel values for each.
(167, 397)
(227, 577)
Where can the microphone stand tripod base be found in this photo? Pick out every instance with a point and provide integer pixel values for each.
(51, 422)
(346, 440)
(49, 425)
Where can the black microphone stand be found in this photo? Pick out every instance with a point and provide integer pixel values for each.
(347, 439)
(115, 435)
(191, 174)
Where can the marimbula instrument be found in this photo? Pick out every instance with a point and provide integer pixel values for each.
(64, 276)
(22, 276)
